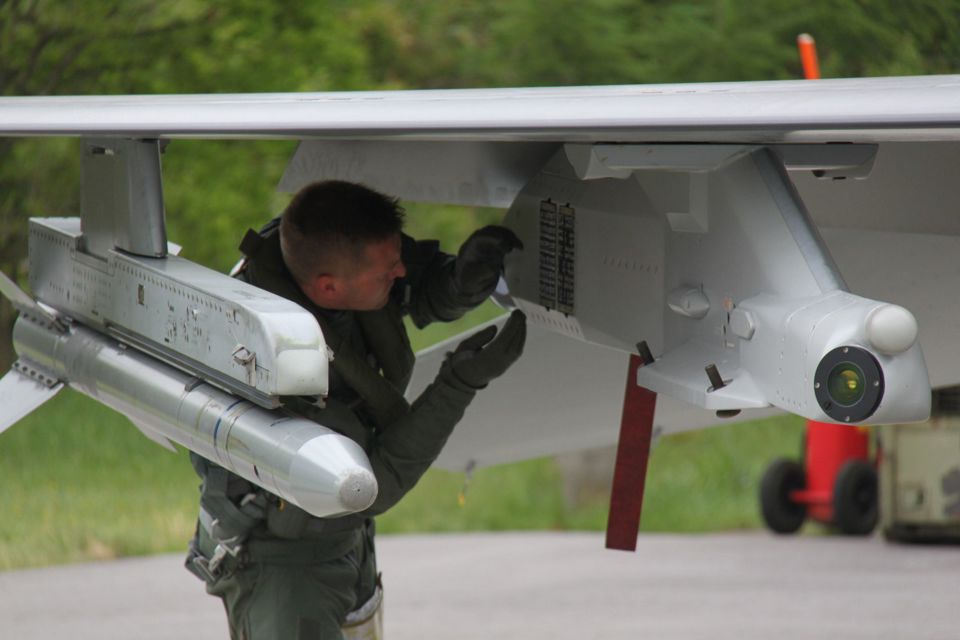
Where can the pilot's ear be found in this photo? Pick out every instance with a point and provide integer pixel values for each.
(327, 284)
(322, 289)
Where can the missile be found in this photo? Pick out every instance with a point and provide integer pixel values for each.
(305, 463)
(190, 355)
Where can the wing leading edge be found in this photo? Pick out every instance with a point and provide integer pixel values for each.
(863, 110)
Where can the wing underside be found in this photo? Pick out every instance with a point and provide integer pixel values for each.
(562, 395)
(481, 147)
(566, 395)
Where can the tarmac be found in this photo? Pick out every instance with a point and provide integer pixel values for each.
(746, 586)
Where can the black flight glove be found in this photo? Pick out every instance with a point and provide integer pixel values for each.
(487, 354)
(480, 261)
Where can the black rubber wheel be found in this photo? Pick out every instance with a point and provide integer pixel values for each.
(855, 510)
(780, 514)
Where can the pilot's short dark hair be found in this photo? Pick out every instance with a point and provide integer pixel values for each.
(327, 225)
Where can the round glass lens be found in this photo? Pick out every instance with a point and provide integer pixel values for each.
(846, 384)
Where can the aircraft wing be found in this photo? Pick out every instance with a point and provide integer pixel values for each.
(563, 395)
(786, 233)
(853, 110)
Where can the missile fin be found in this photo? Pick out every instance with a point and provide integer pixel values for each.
(20, 394)
(152, 434)
(25, 304)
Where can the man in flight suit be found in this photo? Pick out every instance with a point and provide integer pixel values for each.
(338, 251)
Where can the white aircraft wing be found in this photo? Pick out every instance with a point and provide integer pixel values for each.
(794, 235)
(562, 395)
(783, 111)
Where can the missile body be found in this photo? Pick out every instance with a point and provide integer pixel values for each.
(303, 462)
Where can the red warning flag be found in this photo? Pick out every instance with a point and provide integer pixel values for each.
(630, 471)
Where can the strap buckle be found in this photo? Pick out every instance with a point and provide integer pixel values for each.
(226, 548)
(209, 569)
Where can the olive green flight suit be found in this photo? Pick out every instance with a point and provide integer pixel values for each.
(297, 576)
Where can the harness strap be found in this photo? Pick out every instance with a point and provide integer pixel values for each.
(300, 551)
(382, 330)
(383, 400)
(250, 244)
(289, 522)
(224, 519)
(387, 338)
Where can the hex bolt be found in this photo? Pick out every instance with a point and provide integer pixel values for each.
(716, 382)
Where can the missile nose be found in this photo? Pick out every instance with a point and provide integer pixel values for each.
(358, 490)
(331, 475)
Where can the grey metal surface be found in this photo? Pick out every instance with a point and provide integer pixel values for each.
(470, 173)
(367, 125)
(487, 173)
(121, 197)
(254, 343)
(739, 586)
(798, 221)
(864, 109)
(752, 240)
(308, 464)
(576, 389)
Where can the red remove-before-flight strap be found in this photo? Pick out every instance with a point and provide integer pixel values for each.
(630, 471)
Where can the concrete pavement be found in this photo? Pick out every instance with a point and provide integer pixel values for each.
(548, 585)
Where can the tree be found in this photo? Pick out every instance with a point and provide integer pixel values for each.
(45, 50)
(151, 46)
(214, 189)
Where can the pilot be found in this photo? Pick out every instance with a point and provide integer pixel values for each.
(338, 251)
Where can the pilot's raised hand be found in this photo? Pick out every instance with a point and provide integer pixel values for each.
(480, 261)
(487, 354)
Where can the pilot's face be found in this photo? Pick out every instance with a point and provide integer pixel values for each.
(368, 288)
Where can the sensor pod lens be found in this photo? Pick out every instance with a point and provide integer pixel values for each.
(848, 384)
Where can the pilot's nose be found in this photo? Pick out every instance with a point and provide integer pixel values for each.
(400, 270)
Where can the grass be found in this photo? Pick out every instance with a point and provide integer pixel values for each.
(81, 483)
(697, 481)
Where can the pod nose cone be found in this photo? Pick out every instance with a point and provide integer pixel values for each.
(330, 475)
(891, 329)
(358, 490)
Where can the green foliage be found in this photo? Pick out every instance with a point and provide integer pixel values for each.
(709, 41)
(57, 486)
(697, 481)
(81, 483)
(215, 190)
(210, 205)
